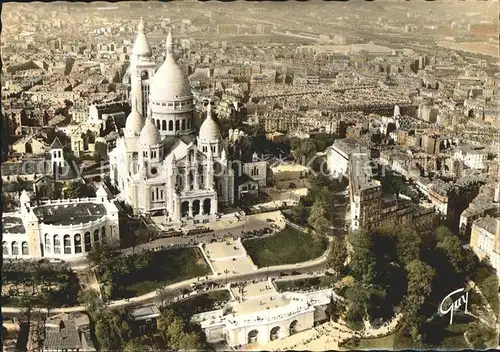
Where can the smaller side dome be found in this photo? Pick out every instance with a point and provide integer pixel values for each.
(134, 123)
(209, 130)
(150, 135)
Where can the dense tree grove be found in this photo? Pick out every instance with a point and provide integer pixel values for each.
(79, 190)
(180, 334)
(317, 207)
(111, 327)
(396, 266)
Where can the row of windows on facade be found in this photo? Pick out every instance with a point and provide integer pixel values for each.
(153, 154)
(56, 241)
(180, 104)
(204, 149)
(56, 154)
(158, 194)
(88, 240)
(14, 248)
(183, 125)
(485, 242)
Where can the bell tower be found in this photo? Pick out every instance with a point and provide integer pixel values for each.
(142, 69)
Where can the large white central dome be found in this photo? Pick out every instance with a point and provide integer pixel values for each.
(169, 82)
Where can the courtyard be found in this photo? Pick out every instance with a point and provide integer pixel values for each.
(228, 257)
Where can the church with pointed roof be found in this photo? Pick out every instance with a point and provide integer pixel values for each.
(159, 165)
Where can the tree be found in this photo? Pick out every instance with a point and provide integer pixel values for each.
(101, 255)
(134, 345)
(442, 232)
(407, 245)
(452, 248)
(8, 203)
(317, 219)
(335, 309)
(191, 341)
(79, 190)
(479, 335)
(111, 329)
(357, 302)
(420, 278)
(337, 256)
(91, 299)
(174, 333)
(363, 260)
(299, 213)
(304, 151)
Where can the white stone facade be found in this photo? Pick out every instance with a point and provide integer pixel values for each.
(294, 312)
(27, 235)
(155, 170)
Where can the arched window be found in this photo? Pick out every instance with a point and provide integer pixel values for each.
(188, 124)
(67, 244)
(144, 75)
(15, 248)
(47, 243)
(78, 243)
(96, 236)
(170, 125)
(164, 125)
(152, 195)
(57, 244)
(24, 248)
(183, 124)
(158, 123)
(176, 125)
(5, 248)
(103, 233)
(86, 241)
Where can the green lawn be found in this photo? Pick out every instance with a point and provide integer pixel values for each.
(164, 267)
(313, 283)
(486, 278)
(287, 247)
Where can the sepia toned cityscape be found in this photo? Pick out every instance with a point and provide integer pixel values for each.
(250, 175)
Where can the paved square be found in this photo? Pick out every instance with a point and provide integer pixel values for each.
(228, 257)
(225, 249)
(239, 266)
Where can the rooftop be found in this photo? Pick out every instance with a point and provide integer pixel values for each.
(257, 297)
(361, 176)
(61, 340)
(146, 312)
(488, 223)
(348, 145)
(67, 214)
(256, 305)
